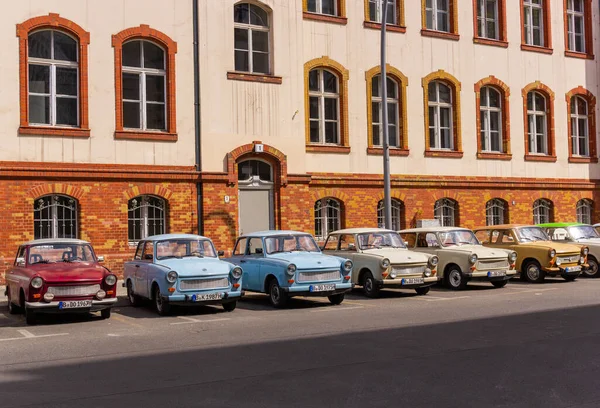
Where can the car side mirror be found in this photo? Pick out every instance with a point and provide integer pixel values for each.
(20, 262)
(101, 258)
(221, 253)
(258, 251)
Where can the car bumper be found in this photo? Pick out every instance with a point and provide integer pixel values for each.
(305, 290)
(190, 300)
(52, 307)
(565, 271)
(483, 276)
(432, 280)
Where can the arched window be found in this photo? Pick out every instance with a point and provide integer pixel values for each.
(255, 168)
(490, 112)
(584, 210)
(537, 123)
(440, 116)
(55, 216)
(146, 217)
(324, 106)
(252, 39)
(394, 122)
(327, 217)
(580, 139)
(445, 211)
(495, 212)
(397, 214)
(542, 211)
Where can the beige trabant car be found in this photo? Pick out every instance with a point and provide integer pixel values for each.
(537, 255)
(381, 260)
(462, 257)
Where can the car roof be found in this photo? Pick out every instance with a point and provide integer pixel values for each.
(560, 224)
(360, 230)
(272, 233)
(434, 229)
(46, 241)
(503, 226)
(163, 237)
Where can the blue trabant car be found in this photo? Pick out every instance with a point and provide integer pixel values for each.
(289, 263)
(181, 269)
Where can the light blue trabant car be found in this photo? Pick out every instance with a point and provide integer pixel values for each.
(181, 269)
(289, 263)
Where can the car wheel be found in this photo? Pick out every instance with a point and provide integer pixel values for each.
(455, 279)
(422, 291)
(12, 308)
(105, 313)
(592, 270)
(30, 317)
(533, 272)
(134, 300)
(161, 306)
(336, 299)
(570, 278)
(230, 307)
(277, 296)
(370, 286)
(499, 284)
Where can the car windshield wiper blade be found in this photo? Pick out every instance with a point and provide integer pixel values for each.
(197, 255)
(43, 261)
(169, 257)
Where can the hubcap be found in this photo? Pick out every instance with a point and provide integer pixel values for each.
(159, 303)
(593, 270)
(275, 293)
(533, 272)
(368, 285)
(455, 278)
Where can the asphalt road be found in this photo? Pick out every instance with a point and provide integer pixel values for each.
(521, 346)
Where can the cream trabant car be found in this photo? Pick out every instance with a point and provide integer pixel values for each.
(381, 259)
(462, 258)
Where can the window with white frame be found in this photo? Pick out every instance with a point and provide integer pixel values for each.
(533, 15)
(490, 115)
(537, 124)
(495, 211)
(584, 211)
(146, 217)
(327, 217)
(576, 25)
(251, 42)
(53, 78)
(144, 86)
(444, 210)
(579, 127)
(437, 15)
(324, 106)
(488, 25)
(327, 7)
(393, 111)
(542, 211)
(397, 214)
(440, 116)
(376, 11)
(55, 216)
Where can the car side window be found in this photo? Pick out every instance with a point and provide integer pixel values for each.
(431, 240)
(148, 251)
(507, 237)
(332, 243)
(410, 239)
(139, 250)
(20, 254)
(483, 236)
(496, 236)
(255, 247)
(347, 242)
(240, 247)
(558, 234)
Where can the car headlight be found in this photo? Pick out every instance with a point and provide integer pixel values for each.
(385, 263)
(513, 257)
(347, 265)
(110, 280)
(37, 282)
(582, 260)
(236, 272)
(172, 276)
(427, 273)
(585, 251)
(473, 258)
(552, 253)
(291, 269)
(558, 262)
(434, 260)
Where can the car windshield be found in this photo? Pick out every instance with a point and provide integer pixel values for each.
(60, 252)
(291, 243)
(181, 248)
(583, 232)
(530, 234)
(380, 239)
(457, 237)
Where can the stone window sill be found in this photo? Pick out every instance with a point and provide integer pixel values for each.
(540, 158)
(378, 151)
(576, 159)
(307, 15)
(390, 27)
(327, 149)
(488, 41)
(54, 131)
(494, 156)
(440, 34)
(149, 136)
(249, 77)
(451, 154)
(535, 48)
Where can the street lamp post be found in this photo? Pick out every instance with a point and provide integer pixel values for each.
(387, 199)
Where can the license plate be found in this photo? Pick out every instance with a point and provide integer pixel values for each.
(207, 296)
(74, 304)
(573, 269)
(412, 281)
(321, 288)
(496, 273)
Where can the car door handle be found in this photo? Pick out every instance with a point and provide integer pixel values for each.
(242, 261)
(137, 266)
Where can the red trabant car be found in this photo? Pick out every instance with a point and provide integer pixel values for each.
(59, 275)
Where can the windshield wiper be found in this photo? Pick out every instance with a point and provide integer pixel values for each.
(43, 261)
(197, 255)
(169, 257)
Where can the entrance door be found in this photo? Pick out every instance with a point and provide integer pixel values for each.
(255, 180)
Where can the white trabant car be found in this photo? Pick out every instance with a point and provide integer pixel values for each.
(381, 260)
(462, 258)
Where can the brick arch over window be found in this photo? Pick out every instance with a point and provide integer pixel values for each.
(273, 155)
(549, 95)
(55, 22)
(591, 102)
(144, 32)
(55, 188)
(336, 193)
(455, 86)
(504, 90)
(148, 189)
(343, 76)
(402, 82)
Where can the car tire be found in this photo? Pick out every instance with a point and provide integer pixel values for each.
(500, 284)
(12, 308)
(593, 271)
(570, 278)
(161, 307)
(105, 313)
(369, 286)
(134, 300)
(422, 291)
(455, 279)
(30, 317)
(336, 299)
(229, 307)
(533, 272)
(277, 296)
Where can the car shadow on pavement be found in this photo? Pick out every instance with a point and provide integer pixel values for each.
(260, 302)
(146, 310)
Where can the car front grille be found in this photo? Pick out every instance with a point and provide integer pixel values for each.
(198, 284)
(403, 270)
(318, 276)
(569, 259)
(492, 264)
(83, 290)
